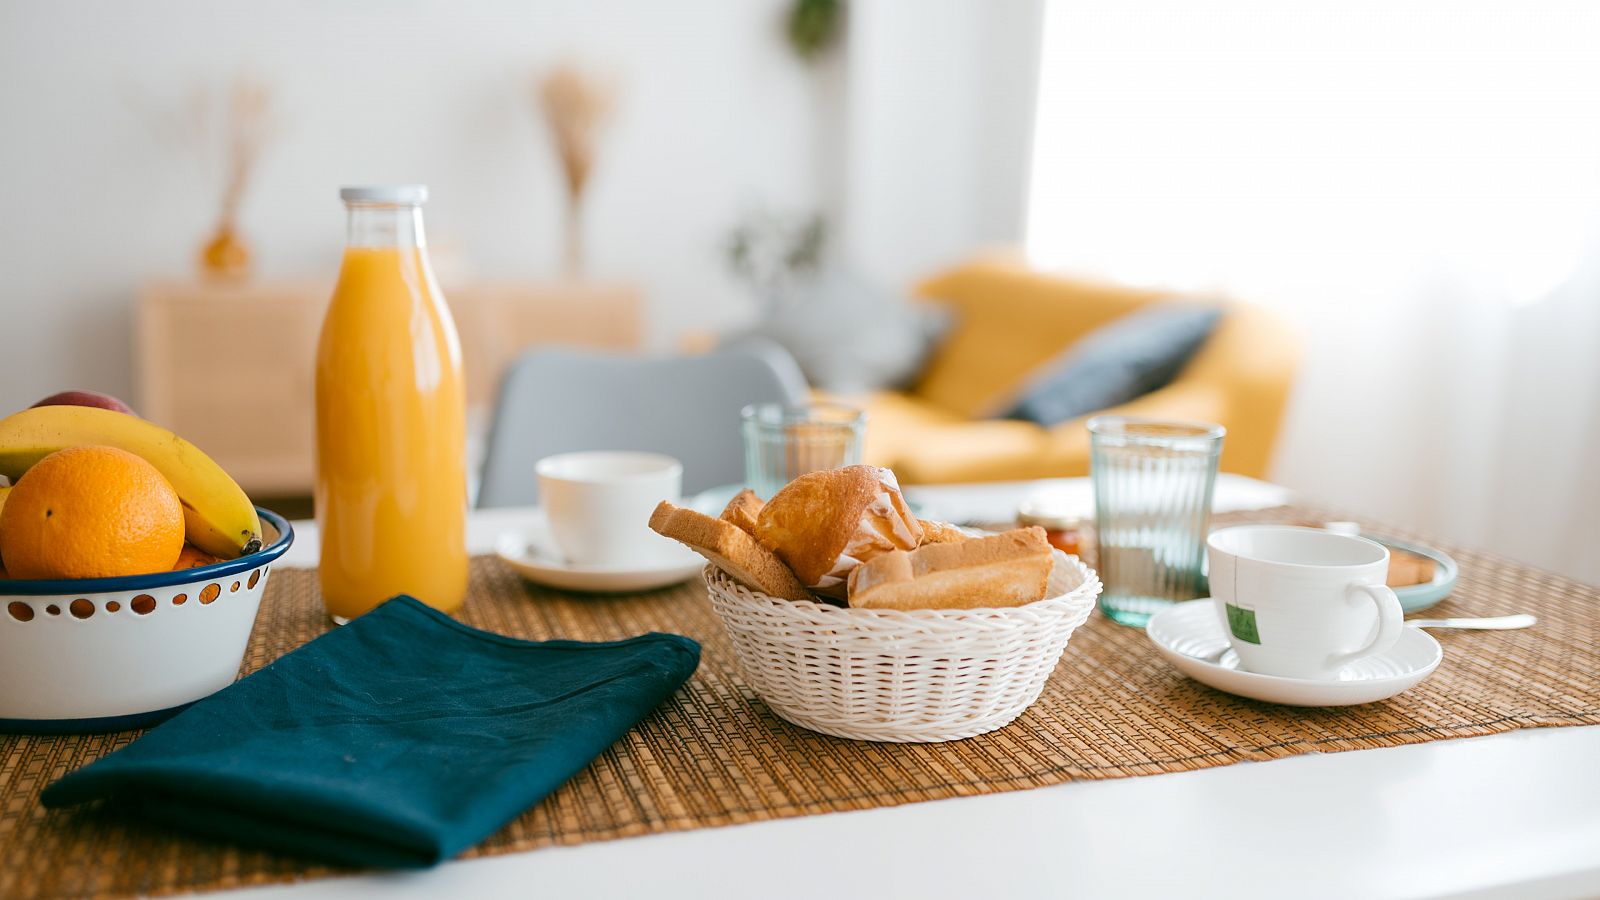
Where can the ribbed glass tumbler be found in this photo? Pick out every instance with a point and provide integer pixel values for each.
(1152, 506)
(782, 442)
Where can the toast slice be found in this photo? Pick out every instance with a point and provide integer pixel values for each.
(730, 548)
(742, 511)
(1009, 569)
(942, 533)
(1406, 569)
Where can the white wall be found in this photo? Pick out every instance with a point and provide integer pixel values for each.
(717, 116)
(940, 112)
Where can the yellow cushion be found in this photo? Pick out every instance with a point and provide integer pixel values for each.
(1009, 321)
(918, 439)
(1250, 360)
(926, 445)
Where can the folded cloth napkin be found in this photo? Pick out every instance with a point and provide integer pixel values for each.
(399, 739)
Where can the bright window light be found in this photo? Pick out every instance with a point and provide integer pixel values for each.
(1237, 145)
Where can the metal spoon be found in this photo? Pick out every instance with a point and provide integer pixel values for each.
(1494, 623)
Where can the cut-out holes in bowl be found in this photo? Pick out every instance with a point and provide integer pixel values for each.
(81, 608)
(20, 611)
(144, 604)
(210, 592)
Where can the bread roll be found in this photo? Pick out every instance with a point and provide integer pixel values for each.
(824, 524)
(942, 533)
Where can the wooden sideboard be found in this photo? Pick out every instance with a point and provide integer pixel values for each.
(231, 366)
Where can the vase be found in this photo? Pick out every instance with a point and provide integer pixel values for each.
(226, 256)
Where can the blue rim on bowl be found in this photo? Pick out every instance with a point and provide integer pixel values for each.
(35, 587)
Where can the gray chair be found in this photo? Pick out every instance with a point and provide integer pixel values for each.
(557, 400)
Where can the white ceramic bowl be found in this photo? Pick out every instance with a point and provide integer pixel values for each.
(107, 654)
(902, 675)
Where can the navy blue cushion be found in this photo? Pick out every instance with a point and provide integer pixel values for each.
(1128, 358)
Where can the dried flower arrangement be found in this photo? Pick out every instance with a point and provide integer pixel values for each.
(575, 106)
(232, 128)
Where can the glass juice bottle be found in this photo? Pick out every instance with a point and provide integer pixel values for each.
(391, 488)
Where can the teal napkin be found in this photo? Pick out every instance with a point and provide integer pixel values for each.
(399, 739)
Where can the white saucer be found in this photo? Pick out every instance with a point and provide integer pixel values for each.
(1190, 636)
(533, 553)
(711, 500)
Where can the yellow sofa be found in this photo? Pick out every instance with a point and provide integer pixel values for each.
(1009, 320)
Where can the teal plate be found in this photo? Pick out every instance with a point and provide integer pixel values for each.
(1418, 597)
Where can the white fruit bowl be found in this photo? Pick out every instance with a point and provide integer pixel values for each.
(106, 654)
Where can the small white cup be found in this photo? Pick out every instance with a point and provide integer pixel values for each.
(1301, 602)
(599, 504)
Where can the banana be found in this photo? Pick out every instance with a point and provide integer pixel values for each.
(217, 516)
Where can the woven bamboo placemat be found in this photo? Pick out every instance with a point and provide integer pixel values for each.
(714, 755)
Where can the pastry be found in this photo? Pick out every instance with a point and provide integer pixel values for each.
(942, 533)
(824, 524)
(730, 548)
(1009, 569)
(742, 510)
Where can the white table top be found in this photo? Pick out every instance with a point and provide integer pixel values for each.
(1513, 815)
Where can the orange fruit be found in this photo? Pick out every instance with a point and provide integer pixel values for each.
(90, 512)
(193, 557)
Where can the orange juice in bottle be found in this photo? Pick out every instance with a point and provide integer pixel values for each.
(391, 486)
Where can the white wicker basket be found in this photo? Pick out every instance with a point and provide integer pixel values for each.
(910, 676)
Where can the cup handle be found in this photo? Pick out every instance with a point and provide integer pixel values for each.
(1391, 621)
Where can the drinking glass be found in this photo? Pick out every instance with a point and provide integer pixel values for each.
(783, 442)
(1152, 505)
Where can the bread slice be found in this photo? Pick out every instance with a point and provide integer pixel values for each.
(941, 533)
(1009, 569)
(730, 548)
(742, 511)
(1406, 569)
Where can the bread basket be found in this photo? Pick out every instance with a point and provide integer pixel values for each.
(913, 676)
(107, 654)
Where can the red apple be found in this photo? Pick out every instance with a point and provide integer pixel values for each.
(87, 398)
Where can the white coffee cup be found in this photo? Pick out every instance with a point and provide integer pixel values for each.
(599, 503)
(1301, 602)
